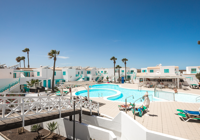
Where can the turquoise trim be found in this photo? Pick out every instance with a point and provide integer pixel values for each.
(49, 83)
(143, 70)
(122, 71)
(101, 71)
(193, 70)
(64, 72)
(81, 72)
(27, 74)
(88, 72)
(151, 71)
(38, 73)
(44, 83)
(166, 70)
(14, 75)
(54, 73)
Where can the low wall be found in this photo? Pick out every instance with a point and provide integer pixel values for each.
(82, 131)
(128, 128)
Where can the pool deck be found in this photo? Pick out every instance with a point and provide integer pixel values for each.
(162, 116)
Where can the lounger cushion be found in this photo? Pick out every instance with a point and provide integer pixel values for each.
(192, 112)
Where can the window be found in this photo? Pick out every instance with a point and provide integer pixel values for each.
(166, 70)
(98, 71)
(122, 70)
(64, 72)
(38, 73)
(143, 70)
(78, 73)
(55, 73)
(151, 71)
(193, 70)
(81, 72)
(101, 71)
(88, 72)
(132, 71)
(105, 72)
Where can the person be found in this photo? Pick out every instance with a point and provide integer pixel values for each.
(175, 90)
(146, 100)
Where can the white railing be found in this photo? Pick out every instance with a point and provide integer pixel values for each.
(164, 94)
(21, 107)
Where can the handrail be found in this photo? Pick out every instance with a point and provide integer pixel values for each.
(126, 101)
(197, 98)
(4, 88)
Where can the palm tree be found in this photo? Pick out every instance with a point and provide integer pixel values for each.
(33, 82)
(53, 54)
(23, 58)
(124, 60)
(18, 59)
(35, 128)
(114, 61)
(118, 67)
(52, 127)
(27, 50)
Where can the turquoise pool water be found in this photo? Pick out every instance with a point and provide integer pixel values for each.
(96, 92)
(108, 90)
(125, 93)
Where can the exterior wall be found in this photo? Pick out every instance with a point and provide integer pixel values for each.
(171, 70)
(6, 73)
(188, 69)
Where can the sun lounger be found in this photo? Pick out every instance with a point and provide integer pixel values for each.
(188, 115)
(185, 87)
(123, 107)
(140, 110)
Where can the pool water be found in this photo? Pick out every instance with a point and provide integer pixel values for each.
(107, 90)
(96, 92)
(126, 93)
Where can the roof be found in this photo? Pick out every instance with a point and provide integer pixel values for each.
(157, 67)
(80, 83)
(88, 68)
(26, 69)
(57, 69)
(162, 76)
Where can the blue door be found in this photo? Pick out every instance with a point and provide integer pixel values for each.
(44, 83)
(49, 83)
(122, 80)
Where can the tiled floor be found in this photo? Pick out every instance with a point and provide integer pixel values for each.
(161, 117)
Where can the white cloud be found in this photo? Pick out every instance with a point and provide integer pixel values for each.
(62, 57)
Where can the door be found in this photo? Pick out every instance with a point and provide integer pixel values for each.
(44, 83)
(14, 75)
(49, 83)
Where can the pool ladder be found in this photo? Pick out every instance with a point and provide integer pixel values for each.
(100, 94)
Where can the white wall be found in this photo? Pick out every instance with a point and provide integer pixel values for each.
(127, 127)
(6, 73)
(82, 131)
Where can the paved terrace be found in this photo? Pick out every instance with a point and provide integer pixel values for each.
(162, 116)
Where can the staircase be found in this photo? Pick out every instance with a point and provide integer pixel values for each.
(9, 87)
(79, 78)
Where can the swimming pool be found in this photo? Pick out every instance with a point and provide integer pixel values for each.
(181, 97)
(96, 92)
(117, 93)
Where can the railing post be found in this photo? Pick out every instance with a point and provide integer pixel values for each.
(22, 112)
(90, 102)
(126, 105)
(9, 87)
(59, 108)
(4, 108)
(98, 108)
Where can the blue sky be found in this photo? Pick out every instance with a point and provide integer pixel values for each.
(90, 32)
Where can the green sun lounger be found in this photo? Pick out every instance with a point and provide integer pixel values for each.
(180, 110)
(183, 117)
(140, 111)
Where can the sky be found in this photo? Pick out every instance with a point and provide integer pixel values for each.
(90, 32)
